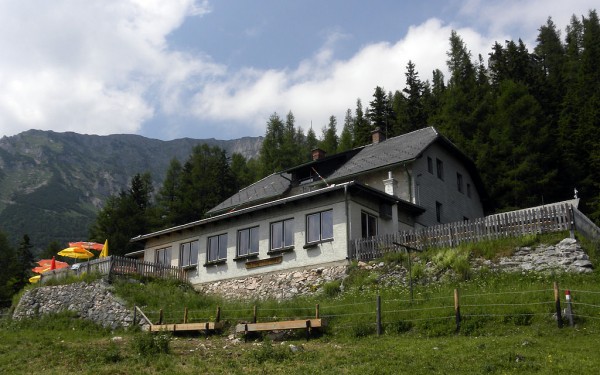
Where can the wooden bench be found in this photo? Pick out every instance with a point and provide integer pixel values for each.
(206, 326)
(277, 326)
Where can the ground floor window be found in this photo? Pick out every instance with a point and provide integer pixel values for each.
(282, 234)
(368, 225)
(188, 254)
(319, 226)
(163, 256)
(217, 248)
(438, 212)
(247, 241)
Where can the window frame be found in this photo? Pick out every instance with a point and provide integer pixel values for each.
(430, 165)
(249, 251)
(468, 190)
(190, 255)
(367, 218)
(438, 211)
(460, 183)
(221, 245)
(439, 168)
(285, 245)
(321, 224)
(160, 259)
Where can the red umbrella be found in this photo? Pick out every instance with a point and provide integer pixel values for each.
(49, 264)
(87, 245)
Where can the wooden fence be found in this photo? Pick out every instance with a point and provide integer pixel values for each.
(543, 219)
(118, 266)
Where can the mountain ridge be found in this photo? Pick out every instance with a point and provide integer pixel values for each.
(52, 184)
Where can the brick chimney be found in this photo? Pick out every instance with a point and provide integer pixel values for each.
(377, 136)
(317, 154)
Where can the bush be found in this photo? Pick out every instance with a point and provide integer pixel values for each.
(399, 326)
(268, 352)
(332, 288)
(519, 318)
(148, 344)
(362, 330)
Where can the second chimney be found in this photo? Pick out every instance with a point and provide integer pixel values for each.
(317, 154)
(377, 136)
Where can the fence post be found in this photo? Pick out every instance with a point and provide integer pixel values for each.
(378, 315)
(185, 315)
(134, 314)
(557, 303)
(160, 316)
(569, 307)
(254, 314)
(218, 317)
(457, 310)
(571, 218)
(317, 311)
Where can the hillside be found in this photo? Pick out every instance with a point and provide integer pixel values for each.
(52, 184)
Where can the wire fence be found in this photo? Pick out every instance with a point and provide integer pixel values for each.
(451, 313)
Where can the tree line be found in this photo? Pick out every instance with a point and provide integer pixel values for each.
(528, 119)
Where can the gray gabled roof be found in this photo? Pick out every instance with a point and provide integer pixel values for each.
(269, 187)
(395, 150)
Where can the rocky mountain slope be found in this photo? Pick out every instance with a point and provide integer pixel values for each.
(52, 184)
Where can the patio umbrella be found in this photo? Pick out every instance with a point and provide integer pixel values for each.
(48, 263)
(34, 279)
(76, 252)
(104, 252)
(87, 245)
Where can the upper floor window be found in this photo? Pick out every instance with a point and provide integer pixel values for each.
(469, 190)
(282, 234)
(319, 226)
(440, 168)
(217, 248)
(459, 182)
(429, 165)
(163, 256)
(188, 254)
(368, 225)
(247, 242)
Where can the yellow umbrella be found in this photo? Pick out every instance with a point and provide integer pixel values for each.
(34, 279)
(76, 252)
(104, 252)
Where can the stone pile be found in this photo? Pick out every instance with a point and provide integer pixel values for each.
(282, 285)
(92, 301)
(566, 256)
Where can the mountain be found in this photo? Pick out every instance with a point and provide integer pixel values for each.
(53, 184)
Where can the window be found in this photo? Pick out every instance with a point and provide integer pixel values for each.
(469, 190)
(429, 165)
(188, 254)
(368, 225)
(163, 256)
(438, 211)
(440, 168)
(217, 248)
(459, 182)
(282, 234)
(319, 226)
(247, 242)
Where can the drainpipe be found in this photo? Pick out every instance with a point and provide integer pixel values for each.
(347, 222)
(410, 185)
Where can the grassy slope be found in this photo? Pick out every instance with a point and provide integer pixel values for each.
(500, 342)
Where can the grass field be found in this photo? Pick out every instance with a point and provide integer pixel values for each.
(508, 326)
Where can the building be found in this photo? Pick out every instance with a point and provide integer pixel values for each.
(306, 216)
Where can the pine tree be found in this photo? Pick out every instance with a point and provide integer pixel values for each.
(329, 142)
(362, 127)
(168, 199)
(346, 141)
(379, 111)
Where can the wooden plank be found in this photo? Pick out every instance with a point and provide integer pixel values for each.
(274, 326)
(186, 327)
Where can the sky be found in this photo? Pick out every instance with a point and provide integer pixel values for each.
(220, 68)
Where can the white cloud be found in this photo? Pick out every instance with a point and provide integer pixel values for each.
(322, 86)
(87, 66)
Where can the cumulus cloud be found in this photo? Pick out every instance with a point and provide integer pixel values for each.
(87, 66)
(322, 86)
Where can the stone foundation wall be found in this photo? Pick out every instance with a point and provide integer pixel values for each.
(281, 285)
(92, 301)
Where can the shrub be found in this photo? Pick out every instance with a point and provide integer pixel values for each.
(399, 326)
(268, 352)
(519, 318)
(362, 330)
(148, 344)
(332, 288)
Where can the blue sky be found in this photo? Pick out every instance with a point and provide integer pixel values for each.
(219, 69)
